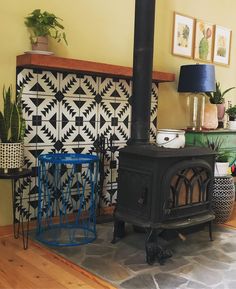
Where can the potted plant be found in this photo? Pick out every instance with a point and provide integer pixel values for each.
(43, 25)
(231, 111)
(12, 129)
(217, 98)
(222, 156)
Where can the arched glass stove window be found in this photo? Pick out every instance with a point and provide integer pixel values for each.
(187, 187)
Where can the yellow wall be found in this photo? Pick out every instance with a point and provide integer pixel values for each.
(172, 113)
(102, 31)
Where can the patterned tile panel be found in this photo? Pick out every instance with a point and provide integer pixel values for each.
(65, 113)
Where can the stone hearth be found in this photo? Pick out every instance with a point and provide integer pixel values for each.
(196, 263)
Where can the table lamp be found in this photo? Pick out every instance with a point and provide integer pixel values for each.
(196, 79)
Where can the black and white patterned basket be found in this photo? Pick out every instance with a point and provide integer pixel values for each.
(223, 198)
(11, 156)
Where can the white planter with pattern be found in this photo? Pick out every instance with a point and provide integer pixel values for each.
(11, 156)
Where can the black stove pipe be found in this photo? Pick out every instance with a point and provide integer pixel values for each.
(142, 70)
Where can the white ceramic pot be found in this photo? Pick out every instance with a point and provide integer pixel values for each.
(232, 125)
(221, 169)
(170, 138)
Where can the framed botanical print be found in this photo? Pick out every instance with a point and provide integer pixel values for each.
(222, 45)
(183, 31)
(203, 44)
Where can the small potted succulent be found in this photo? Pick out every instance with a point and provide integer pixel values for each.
(217, 98)
(12, 129)
(43, 25)
(231, 111)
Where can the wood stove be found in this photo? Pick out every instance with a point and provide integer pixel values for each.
(158, 188)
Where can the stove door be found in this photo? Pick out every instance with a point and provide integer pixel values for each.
(134, 195)
(187, 188)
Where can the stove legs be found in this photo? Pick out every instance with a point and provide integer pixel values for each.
(210, 230)
(119, 231)
(155, 251)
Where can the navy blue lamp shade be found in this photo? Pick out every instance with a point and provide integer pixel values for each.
(197, 78)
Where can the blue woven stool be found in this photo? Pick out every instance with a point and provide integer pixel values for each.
(67, 199)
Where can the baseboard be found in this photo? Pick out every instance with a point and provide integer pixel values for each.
(105, 214)
(6, 230)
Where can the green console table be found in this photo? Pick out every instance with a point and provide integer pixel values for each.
(198, 138)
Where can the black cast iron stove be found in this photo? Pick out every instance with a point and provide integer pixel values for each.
(158, 188)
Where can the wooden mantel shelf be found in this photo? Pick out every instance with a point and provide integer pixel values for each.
(67, 64)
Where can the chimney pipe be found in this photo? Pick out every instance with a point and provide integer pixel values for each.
(142, 70)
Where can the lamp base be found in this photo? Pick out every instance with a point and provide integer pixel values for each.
(194, 128)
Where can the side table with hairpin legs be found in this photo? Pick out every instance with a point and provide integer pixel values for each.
(17, 181)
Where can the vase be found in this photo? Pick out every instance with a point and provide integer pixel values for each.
(220, 114)
(210, 116)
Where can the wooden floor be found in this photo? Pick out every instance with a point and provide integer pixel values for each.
(38, 268)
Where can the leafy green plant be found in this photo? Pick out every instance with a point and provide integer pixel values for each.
(216, 146)
(217, 96)
(12, 124)
(44, 24)
(231, 111)
(223, 156)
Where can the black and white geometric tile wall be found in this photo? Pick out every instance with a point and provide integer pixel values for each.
(65, 112)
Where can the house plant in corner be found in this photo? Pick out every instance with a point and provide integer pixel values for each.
(12, 129)
(43, 25)
(217, 98)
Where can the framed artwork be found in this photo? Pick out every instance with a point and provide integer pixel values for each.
(183, 31)
(203, 44)
(222, 45)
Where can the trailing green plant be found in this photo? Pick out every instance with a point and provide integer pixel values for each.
(45, 24)
(231, 111)
(12, 124)
(217, 96)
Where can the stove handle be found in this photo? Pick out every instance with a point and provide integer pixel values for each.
(166, 207)
(143, 197)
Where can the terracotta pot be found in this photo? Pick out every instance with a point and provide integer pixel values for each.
(210, 116)
(220, 114)
(220, 111)
(41, 44)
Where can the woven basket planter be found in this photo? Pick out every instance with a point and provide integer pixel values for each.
(11, 156)
(223, 198)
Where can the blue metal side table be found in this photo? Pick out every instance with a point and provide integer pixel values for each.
(67, 199)
(17, 179)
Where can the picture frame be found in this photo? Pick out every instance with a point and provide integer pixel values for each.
(183, 35)
(222, 45)
(204, 44)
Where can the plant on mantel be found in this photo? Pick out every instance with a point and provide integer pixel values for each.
(43, 25)
(218, 98)
(12, 130)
